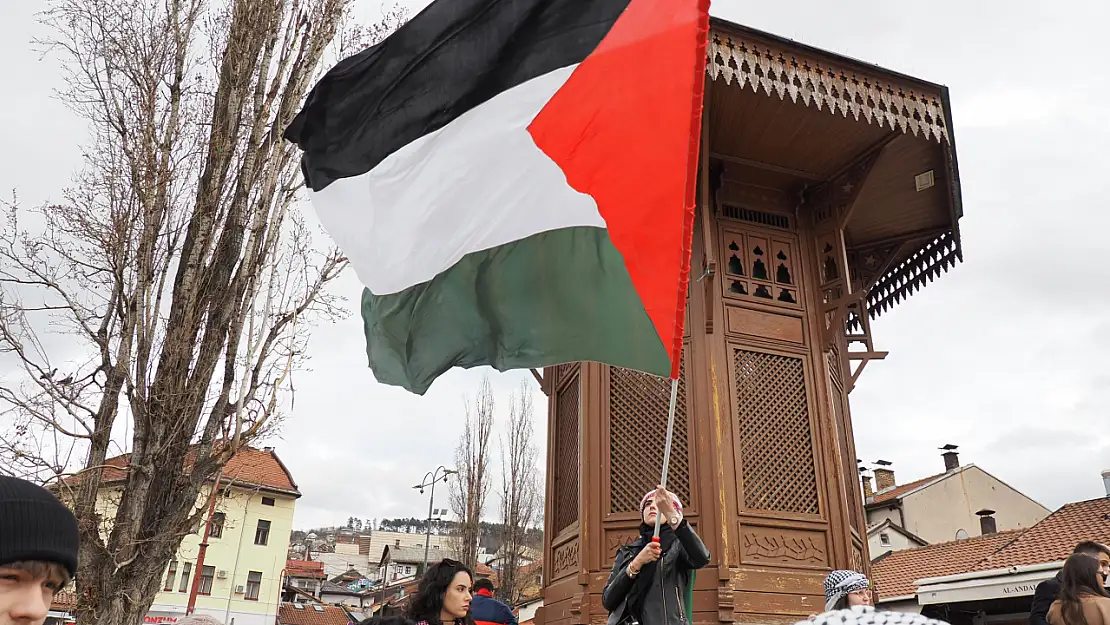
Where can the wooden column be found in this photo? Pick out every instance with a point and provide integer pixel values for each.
(763, 454)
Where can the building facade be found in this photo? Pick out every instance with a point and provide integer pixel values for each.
(375, 544)
(888, 536)
(988, 580)
(304, 576)
(241, 578)
(943, 507)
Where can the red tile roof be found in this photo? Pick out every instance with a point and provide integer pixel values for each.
(65, 601)
(1053, 539)
(304, 568)
(894, 574)
(897, 492)
(249, 467)
(289, 614)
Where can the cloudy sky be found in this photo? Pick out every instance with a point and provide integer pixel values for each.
(1005, 356)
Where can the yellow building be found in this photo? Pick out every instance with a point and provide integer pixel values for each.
(242, 574)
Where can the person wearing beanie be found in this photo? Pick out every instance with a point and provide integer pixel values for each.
(867, 615)
(846, 589)
(651, 581)
(38, 550)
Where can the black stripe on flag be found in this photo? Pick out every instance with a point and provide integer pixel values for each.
(452, 57)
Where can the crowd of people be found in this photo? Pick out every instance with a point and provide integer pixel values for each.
(651, 582)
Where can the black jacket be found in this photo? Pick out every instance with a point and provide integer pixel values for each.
(1046, 593)
(664, 603)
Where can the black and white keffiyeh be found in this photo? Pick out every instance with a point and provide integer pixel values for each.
(840, 584)
(866, 615)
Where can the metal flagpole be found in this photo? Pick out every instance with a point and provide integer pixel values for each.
(667, 451)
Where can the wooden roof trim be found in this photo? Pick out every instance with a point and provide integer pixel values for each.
(928, 262)
(735, 29)
(758, 63)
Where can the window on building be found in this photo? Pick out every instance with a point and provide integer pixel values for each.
(262, 532)
(961, 535)
(185, 570)
(206, 576)
(171, 576)
(884, 539)
(217, 530)
(254, 586)
(267, 501)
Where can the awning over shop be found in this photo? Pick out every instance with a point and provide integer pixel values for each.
(985, 585)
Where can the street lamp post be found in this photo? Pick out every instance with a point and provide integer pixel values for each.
(430, 479)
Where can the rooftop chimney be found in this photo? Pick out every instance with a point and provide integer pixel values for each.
(951, 457)
(868, 491)
(884, 476)
(1106, 481)
(987, 523)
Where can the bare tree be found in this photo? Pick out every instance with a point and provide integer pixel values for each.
(520, 495)
(161, 308)
(469, 491)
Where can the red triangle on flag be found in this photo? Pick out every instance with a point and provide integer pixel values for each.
(626, 130)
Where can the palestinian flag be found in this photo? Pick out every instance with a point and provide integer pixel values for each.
(513, 181)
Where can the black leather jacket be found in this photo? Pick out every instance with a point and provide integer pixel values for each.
(664, 603)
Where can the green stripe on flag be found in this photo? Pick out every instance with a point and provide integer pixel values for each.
(554, 297)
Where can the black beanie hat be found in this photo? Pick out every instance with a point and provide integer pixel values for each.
(35, 526)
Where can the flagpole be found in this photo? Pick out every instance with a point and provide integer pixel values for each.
(667, 451)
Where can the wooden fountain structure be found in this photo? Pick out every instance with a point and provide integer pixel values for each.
(829, 192)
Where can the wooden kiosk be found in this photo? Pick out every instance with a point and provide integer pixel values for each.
(829, 192)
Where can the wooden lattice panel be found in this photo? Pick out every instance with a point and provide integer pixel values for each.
(566, 453)
(638, 405)
(776, 440)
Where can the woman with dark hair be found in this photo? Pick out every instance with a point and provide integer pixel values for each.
(443, 597)
(651, 582)
(1083, 599)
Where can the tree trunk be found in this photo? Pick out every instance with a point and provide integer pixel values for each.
(469, 491)
(176, 266)
(519, 494)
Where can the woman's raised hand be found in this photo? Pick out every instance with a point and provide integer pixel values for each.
(650, 553)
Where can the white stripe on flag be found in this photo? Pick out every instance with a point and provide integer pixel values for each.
(475, 184)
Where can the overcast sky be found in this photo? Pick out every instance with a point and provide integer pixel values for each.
(1005, 356)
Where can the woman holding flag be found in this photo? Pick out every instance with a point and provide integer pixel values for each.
(652, 579)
